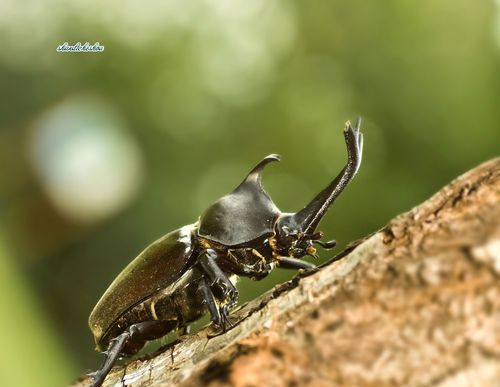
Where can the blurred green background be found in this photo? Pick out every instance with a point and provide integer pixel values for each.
(102, 153)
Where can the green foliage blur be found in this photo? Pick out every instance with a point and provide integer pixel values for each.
(102, 153)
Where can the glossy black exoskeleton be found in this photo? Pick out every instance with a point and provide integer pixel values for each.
(190, 271)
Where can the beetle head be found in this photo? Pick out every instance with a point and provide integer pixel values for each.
(292, 241)
(296, 233)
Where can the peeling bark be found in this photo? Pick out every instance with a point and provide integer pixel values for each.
(415, 304)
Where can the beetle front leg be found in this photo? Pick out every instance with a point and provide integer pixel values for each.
(294, 263)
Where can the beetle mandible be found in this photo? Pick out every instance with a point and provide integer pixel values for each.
(189, 271)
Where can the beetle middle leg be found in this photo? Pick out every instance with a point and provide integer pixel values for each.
(218, 280)
(220, 287)
(130, 342)
(209, 299)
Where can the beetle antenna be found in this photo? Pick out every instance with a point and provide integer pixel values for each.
(309, 217)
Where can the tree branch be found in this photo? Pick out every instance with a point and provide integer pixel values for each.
(415, 304)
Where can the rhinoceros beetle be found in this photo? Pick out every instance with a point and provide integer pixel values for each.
(190, 271)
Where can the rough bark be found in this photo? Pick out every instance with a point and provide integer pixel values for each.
(415, 304)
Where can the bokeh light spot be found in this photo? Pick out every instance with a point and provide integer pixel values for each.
(88, 165)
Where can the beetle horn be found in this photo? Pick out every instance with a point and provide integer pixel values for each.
(255, 175)
(309, 217)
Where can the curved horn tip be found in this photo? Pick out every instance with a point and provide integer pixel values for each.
(256, 172)
(273, 157)
(357, 125)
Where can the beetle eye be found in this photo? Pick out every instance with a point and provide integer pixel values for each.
(286, 237)
(296, 252)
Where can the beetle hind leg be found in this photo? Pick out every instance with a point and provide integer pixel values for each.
(130, 342)
(112, 353)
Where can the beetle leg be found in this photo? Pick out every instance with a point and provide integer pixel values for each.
(294, 263)
(226, 319)
(226, 292)
(129, 342)
(218, 280)
(327, 244)
(209, 300)
(114, 349)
